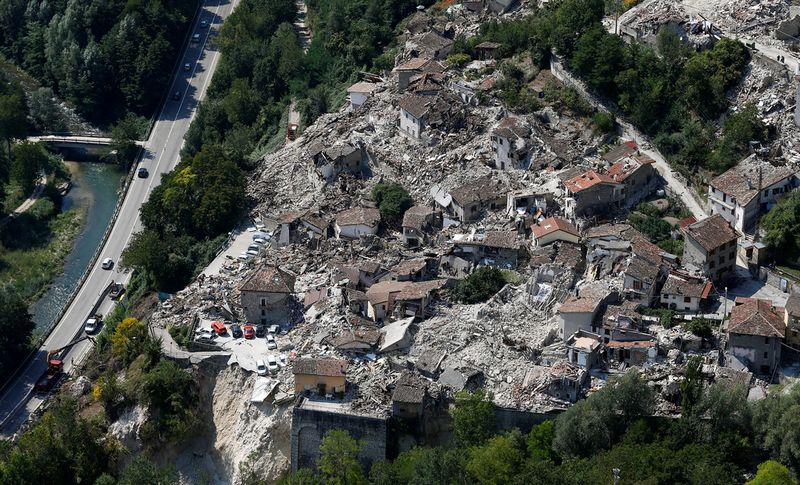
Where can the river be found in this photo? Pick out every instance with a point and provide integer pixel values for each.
(94, 190)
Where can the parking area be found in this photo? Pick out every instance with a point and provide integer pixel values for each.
(233, 255)
(247, 351)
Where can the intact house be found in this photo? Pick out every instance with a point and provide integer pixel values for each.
(685, 293)
(325, 376)
(418, 223)
(551, 230)
(494, 248)
(756, 330)
(468, 202)
(360, 92)
(429, 45)
(592, 193)
(640, 280)
(414, 67)
(510, 144)
(356, 222)
(792, 320)
(748, 190)
(266, 294)
(638, 175)
(339, 158)
(710, 247)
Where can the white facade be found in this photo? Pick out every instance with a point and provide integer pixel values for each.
(743, 217)
(680, 302)
(357, 99)
(509, 154)
(353, 231)
(409, 124)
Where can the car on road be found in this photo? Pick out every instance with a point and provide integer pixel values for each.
(195, 37)
(236, 331)
(187, 67)
(176, 95)
(107, 263)
(203, 24)
(142, 173)
(91, 325)
(272, 363)
(261, 330)
(271, 343)
(261, 368)
(249, 332)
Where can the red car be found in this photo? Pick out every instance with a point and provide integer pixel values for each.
(249, 332)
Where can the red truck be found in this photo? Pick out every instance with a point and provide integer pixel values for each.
(55, 366)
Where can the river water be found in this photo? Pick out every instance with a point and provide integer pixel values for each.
(94, 190)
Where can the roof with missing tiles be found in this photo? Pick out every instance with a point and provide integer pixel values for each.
(755, 316)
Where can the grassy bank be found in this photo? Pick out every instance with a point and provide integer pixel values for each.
(34, 248)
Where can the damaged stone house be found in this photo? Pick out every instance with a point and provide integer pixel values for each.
(494, 248)
(511, 144)
(294, 228)
(356, 222)
(756, 330)
(748, 190)
(553, 229)
(360, 92)
(578, 312)
(792, 320)
(325, 376)
(389, 300)
(710, 247)
(584, 348)
(419, 222)
(468, 202)
(638, 175)
(592, 194)
(266, 296)
(685, 293)
(641, 281)
(429, 45)
(414, 67)
(340, 158)
(409, 396)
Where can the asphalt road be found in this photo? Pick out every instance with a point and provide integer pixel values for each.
(162, 152)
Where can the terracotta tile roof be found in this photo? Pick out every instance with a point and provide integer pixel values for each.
(741, 181)
(641, 246)
(686, 286)
(620, 151)
(409, 389)
(586, 180)
(412, 64)
(569, 255)
(320, 367)
(416, 105)
(369, 267)
(269, 279)
(551, 225)
(362, 87)
(627, 166)
(756, 317)
(687, 222)
(642, 270)
(426, 81)
(432, 41)
(606, 230)
(587, 301)
(381, 291)
(409, 266)
(711, 232)
(421, 289)
(502, 239)
(512, 127)
(416, 216)
(481, 189)
(354, 339)
(359, 215)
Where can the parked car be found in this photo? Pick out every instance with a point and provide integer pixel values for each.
(274, 329)
(244, 256)
(282, 360)
(271, 343)
(261, 368)
(261, 330)
(204, 333)
(205, 340)
(219, 328)
(142, 173)
(253, 250)
(236, 331)
(260, 241)
(249, 332)
(107, 263)
(272, 363)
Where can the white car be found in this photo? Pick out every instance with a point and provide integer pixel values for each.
(274, 329)
(261, 368)
(272, 363)
(271, 343)
(244, 256)
(282, 360)
(253, 251)
(90, 326)
(260, 241)
(108, 263)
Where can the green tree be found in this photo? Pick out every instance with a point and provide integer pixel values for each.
(13, 118)
(28, 161)
(124, 136)
(473, 417)
(540, 441)
(45, 112)
(481, 285)
(772, 473)
(170, 392)
(17, 328)
(338, 460)
(692, 385)
(775, 422)
(141, 471)
(393, 201)
(496, 461)
(702, 327)
(782, 227)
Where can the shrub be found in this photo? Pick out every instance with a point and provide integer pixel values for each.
(393, 201)
(459, 60)
(604, 122)
(481, 285)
